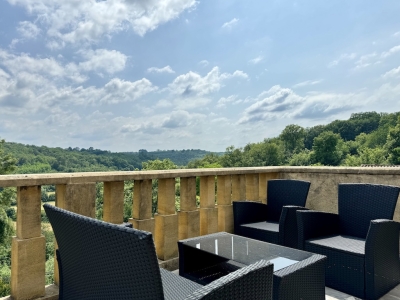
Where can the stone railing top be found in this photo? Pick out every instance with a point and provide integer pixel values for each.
(68, 178)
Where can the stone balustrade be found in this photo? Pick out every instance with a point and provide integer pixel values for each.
(218, 188)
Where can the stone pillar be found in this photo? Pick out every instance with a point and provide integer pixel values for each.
(79, 198)
(238, 187)
(166, 221)
(225, 208)
(188, 216)
(113, 203)
(28, 256)
(142, 205)
(208, 210)
(262, 183)
(252, 192)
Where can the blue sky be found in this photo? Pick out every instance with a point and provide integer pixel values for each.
(184, 74)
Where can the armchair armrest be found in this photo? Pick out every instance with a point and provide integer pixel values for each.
(313, 224)
(126, 224)
(288, 226)
(251, 282)
(245, 212)
(382, 257)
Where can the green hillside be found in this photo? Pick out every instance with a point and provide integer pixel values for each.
(42, 159)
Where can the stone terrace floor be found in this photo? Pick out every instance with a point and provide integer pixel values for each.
(332, 294)
(336, 295)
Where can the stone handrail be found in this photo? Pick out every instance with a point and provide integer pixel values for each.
(218, 188)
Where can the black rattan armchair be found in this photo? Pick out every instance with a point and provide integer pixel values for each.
(274, 222)
(361, 241)
(99, 260)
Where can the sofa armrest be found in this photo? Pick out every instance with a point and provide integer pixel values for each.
(382, 258)
(313, 224)
(288, 226)
(245, 212)
(251, 282)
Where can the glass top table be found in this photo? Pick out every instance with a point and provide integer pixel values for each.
(206, 258)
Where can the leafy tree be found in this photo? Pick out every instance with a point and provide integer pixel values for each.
(7, 165)
(261, 154)
(359, 122)
(312, 133)
(293, 138)
(393, 144)
(7, 161)
(165, 164)
(328, 149)
(303, 158)
(210, 160)
(367, 156)
(233, 157)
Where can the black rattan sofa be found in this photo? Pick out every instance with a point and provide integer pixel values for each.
(274, 222)
(99, 260)
(361, 241)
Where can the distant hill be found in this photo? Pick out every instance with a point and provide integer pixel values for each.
(42, 159)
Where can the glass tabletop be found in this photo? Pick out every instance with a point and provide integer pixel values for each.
(246, 251)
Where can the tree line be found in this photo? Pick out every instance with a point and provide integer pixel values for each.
(365, 138)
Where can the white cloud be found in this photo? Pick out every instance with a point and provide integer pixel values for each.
(229, 25)
(256, 60)
(177, 121)
(42, 83)
(392, 73)
(28, 30)
(203, 63)
(365, 61)
(88, 21)
(194, 102)
(307, 83)
(274, 100)
(396, 33)
(283, 103)
(391, 51)
(343, 57)
(166, 69)
(191, 83)
(103, 60)
(163, 103)
(118, 90)
(222, 102)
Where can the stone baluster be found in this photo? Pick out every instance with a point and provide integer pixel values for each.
(113, 202)
(252, 188)
(189, 215)
(28, 247)
(166, 221)
(208, 210)
(142, 205)
(79, 198)
(225, 208)
(263, 178)
(238, 187)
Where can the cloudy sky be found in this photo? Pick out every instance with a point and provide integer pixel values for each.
(184, 74)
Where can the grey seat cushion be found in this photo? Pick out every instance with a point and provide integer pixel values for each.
(269, 226)
(344, 243)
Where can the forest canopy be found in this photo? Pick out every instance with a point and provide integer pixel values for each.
(365, 138)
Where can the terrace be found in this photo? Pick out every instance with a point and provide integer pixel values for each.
(218, 188)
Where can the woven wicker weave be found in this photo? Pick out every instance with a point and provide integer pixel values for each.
(361, 242)
(256, 220)
(99, 260)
